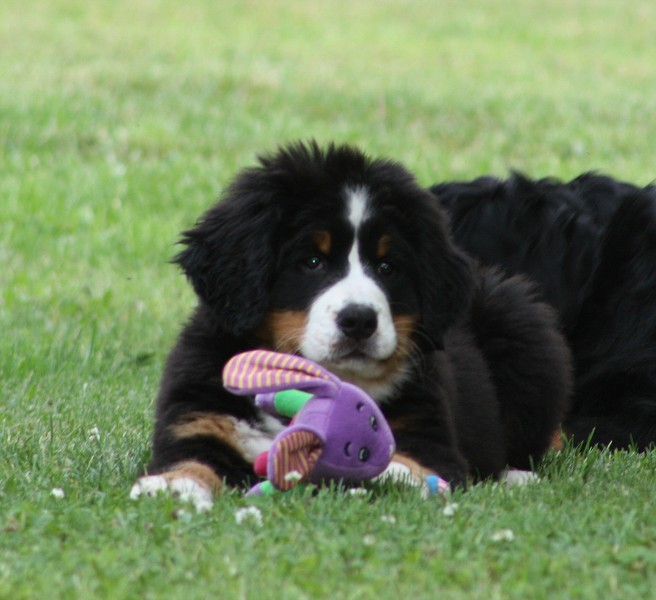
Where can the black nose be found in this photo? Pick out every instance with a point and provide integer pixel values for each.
(357, 321)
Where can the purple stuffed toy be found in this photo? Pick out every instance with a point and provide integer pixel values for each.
(338, 432)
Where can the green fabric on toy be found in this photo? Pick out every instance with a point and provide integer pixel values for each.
(288, 402)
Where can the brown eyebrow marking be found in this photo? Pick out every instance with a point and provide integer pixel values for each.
(383, 246)
(324, 242)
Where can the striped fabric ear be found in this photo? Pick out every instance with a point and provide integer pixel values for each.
(263, 371)
(292, 458)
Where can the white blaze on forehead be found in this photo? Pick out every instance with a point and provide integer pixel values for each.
(323, 340)
(357, 207)
(358, 286)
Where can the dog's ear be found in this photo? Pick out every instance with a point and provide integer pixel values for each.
(446, 274)
(231, 253)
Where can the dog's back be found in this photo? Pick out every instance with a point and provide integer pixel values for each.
(590, 245)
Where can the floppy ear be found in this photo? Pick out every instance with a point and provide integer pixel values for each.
(230, 254)
(293, 456)
(446, 274)
(260, 371)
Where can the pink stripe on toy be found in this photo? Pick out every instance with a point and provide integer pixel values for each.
(264, 371)
(294, 457)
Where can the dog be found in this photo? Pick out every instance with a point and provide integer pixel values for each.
(590, 246)
(349, 262)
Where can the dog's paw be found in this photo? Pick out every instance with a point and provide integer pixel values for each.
(397, 472)
(430, 484)
(515, 477)
(184, 488)
(148, 486)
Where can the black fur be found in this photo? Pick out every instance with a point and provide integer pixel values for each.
(590, 244)
(489, 380)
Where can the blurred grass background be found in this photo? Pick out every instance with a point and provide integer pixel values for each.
(121, 121)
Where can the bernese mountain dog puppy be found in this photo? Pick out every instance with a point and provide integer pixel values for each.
(590, 245)
(349, 262)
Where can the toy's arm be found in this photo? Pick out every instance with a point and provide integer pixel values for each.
(286, 403)
(289, 402)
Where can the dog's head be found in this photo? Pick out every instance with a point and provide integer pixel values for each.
(325, 253)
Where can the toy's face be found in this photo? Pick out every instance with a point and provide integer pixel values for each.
(359, 444)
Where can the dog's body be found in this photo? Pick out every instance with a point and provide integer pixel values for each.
(349, 262)
(590, 245)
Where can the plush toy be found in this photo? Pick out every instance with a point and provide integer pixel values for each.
(337, 431)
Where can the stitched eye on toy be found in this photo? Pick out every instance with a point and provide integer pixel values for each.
(359, 406)
(313, 263)
(347, 449)
(384, 268)
(364, 453)
(373, 422)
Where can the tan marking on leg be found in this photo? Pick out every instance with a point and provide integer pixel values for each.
(417, 470)
(199, 472)
(220, 427)
(323, 241)
(246, 438)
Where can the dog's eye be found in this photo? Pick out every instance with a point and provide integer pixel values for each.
(313, 263)
(373, 422)
(384, 268)
(364, 453)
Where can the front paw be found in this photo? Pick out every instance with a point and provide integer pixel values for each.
(407, 474)
(184, 488)
(397, 472)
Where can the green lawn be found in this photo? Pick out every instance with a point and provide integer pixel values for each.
(121, 121)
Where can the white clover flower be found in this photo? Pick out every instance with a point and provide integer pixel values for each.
(390, 519)
(94, 434)
(233, 571)
(57, 493)
(450, 509)
(293, 476)
(503, 535)
(368, 540)
(249, 513)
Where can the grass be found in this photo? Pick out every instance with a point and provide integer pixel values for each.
(120, 122)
